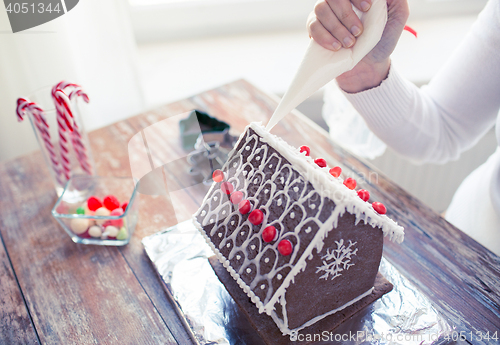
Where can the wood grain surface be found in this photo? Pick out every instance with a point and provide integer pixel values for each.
(58, 292)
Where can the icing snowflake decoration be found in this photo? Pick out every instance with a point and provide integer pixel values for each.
(337, 260)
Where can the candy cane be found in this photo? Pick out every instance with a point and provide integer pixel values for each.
(40, 121)
(77, 136)
(63, 108)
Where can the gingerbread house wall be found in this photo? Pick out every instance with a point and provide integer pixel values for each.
(358, 251)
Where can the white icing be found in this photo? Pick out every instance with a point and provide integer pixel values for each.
(235, 164)
(270, 166)
(215, 198)
(337, 260)
(220, 234)
(292, 215)
(228, 245)
(257, 158)
(279, 202)
(283, 325)
(247, 148)
(266, 191)
(238, 257)
(212, 221)
(249, 270)
(242, 233)
(232, 222)
(295, 189)
(263, 286)
(252, 247)
(266, 260)
(308, 230)
(312, 206)
(203, 213)
(223, 212)
(279, 276)
(245, 173)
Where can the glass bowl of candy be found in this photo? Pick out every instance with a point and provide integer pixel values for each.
(105, 213)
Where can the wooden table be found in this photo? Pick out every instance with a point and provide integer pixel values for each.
(53, 291)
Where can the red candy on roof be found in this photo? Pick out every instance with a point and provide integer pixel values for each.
(244, 206)
(226, 187)
(236, 197)
(335, 171)
(285, 247)
(269, 233)
(350, 183)
(218, 176)
(256, 217)
(379, 207)
(321, 162)
(364, 194)
(305, 149)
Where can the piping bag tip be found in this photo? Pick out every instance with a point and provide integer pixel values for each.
(319, 66)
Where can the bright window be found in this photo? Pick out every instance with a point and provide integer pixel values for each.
(159, 20)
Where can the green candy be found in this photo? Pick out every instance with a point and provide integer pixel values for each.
(80, 210)
(122, 235)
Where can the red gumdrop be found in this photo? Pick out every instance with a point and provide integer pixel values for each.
(93, 203)
(335, 172)
(236, 197)
(269, 233)
(379, 207)
(124, 206)
(244, 206)
(364, 194)
(111, 202)
(116, 222)
(256, 217)
(218, 175)
(321, 162)
(85, 234)
(350, 183)
(305, 149)
(285, 247)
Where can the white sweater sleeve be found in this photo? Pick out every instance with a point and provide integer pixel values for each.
(439, 121)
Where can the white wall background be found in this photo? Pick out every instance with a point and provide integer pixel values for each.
(92, 45)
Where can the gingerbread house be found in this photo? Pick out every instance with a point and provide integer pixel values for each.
(299, 240)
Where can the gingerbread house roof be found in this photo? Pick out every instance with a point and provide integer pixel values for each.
(300, 199)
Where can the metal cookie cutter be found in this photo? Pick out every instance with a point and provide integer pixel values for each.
(212, 145)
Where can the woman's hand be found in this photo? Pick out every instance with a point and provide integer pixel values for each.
(333, 24)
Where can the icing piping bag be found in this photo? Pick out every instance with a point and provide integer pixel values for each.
(319, 66)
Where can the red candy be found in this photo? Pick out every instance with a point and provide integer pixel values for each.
(93, 203)
(379, 207)
(236, 197)
(269, 233)
(335, 172)
(321, 162)
(285, 247)
(116, 222)
(124, 206)
(244, 206)
(218, 175)
(305, 149)
(350, 183)
(111, 202)
(256, 217)
(226, 187)
(364, 194)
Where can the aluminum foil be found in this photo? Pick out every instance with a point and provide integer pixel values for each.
(179, 254)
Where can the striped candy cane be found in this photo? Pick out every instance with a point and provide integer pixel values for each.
(23, 107)
(63, 125)
(63, 106)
